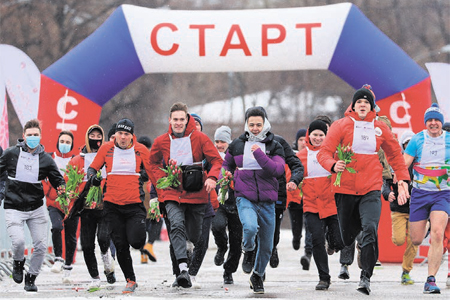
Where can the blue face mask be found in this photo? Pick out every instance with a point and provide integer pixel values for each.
(33, 141)
(64, 148)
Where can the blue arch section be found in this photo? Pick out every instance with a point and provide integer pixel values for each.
(364, 54)
(103, 64)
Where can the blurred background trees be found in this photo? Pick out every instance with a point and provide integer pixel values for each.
(47, 29)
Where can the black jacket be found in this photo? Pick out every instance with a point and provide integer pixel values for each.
(26, 196)
(296, 167)
(389, 186)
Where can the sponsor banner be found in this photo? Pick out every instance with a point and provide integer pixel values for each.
(239, 40)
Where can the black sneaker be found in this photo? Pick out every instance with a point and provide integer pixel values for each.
(274, 260)
(227, 278)
(305, 261)
(256, 283)
(344, 274)
(248, 261)
(364, 285)
(184, 280)
(220, 257)
(17, 273)
(29, 283)
(110, 277)
(323, 285)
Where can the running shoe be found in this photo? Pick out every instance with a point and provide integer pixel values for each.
(430, 286)
(323, 285)
(57, 266)
(194, 283)
(256, 284)
(344, 274)
(66, 274)
(406, 279)
(94, 285)
(130, 287)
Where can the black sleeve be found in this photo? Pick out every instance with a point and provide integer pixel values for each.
(386, 189)
(293, 162)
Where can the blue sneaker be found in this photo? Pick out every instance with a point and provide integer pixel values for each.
(430, 286)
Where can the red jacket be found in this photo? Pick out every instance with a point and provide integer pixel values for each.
(317, 195)
(49, 191)
(368, 176)
(202, 147)
(121, 189)
(293, 196)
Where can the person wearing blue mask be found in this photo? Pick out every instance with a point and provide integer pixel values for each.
(62, 156)
(27, 164)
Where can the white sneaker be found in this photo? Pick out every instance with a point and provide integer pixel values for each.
(94, 284)
(57, 266)
(108, 262)
(66, 276)
(195, 284)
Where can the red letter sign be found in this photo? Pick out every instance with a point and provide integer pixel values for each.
(242, 45)
(308, 36)
(265, 41)
(154, 42)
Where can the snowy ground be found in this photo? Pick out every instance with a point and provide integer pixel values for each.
(286, 281)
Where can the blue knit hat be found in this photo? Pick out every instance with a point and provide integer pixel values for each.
(434, 113)
(198, 119)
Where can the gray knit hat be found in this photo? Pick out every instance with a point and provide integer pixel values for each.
(223, 133)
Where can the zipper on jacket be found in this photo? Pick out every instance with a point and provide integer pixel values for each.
(256, 184)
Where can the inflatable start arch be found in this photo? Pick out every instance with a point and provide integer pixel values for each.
(134, 41)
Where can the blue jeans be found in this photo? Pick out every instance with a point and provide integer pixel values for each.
(258, 220)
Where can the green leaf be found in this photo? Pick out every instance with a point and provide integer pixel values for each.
(351, 170)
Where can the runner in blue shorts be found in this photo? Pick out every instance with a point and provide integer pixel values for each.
(429, 151)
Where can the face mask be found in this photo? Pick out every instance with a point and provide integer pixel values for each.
(95, 144)
(64, 148)
(32, 141)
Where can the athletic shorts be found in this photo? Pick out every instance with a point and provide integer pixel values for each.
(424, 202)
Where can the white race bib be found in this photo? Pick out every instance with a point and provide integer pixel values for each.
(314, 168)
(364, 140)
(27, 169)
(249, 161)
(124, 162)
(181, 150)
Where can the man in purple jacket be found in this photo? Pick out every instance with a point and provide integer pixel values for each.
(256, 160)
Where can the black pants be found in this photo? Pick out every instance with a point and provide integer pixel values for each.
(278, 218)
(70, 234)
(153, 228)
(361, 214)
(296, 216)
(127, 225)
(220, 222)
(93, 222)
(321, 229)
(200, 247)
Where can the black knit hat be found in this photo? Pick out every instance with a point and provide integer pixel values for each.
(318, 124)
(112, 130)
(364, 93)
(125, 125)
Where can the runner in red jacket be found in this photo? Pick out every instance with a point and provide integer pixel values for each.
(62, 156)
(125, 213)
(358, 198)
(185, 206)
(319, 206)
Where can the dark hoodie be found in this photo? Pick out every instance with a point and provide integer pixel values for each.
(25, 196)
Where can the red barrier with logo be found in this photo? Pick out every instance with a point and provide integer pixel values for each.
(63, 109)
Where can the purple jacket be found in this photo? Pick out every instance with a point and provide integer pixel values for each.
(256, 185)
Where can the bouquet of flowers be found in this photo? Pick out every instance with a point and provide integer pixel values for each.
(94, 195)
(344, 153)
(171, 180)
(153, 212)
(65, 195)
(224, 184)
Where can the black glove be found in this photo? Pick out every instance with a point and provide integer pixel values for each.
(96, 181)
